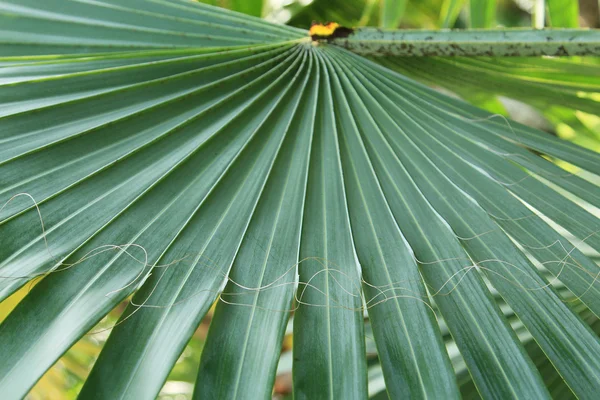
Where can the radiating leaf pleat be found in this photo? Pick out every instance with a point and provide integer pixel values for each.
(512, 131)
(329, 346)
(163, 77)
(415, 363)
(133, 23)
(567, 340)
(542, 83)
(148, 131)
(244, 341)
(178, 297)
(464, 301)
(516, 279)
(469, 143)
(161, 159)
(557, 254)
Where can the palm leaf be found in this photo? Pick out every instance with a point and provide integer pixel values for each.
(482, 13)
(561, 89)
(182, 154)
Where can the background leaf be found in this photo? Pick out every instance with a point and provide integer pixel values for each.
(563, 13)
(482, 13)
(392, 12)
(449, 12)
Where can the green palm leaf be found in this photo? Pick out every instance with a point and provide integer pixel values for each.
(565, 90)
(180, 154)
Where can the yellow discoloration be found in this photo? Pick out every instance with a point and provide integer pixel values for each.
(328, 32)
(323, 30)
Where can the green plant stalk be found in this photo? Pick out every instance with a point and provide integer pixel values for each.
(498, 43)
(538, 14)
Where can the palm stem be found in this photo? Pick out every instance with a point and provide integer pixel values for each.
(500, 43)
